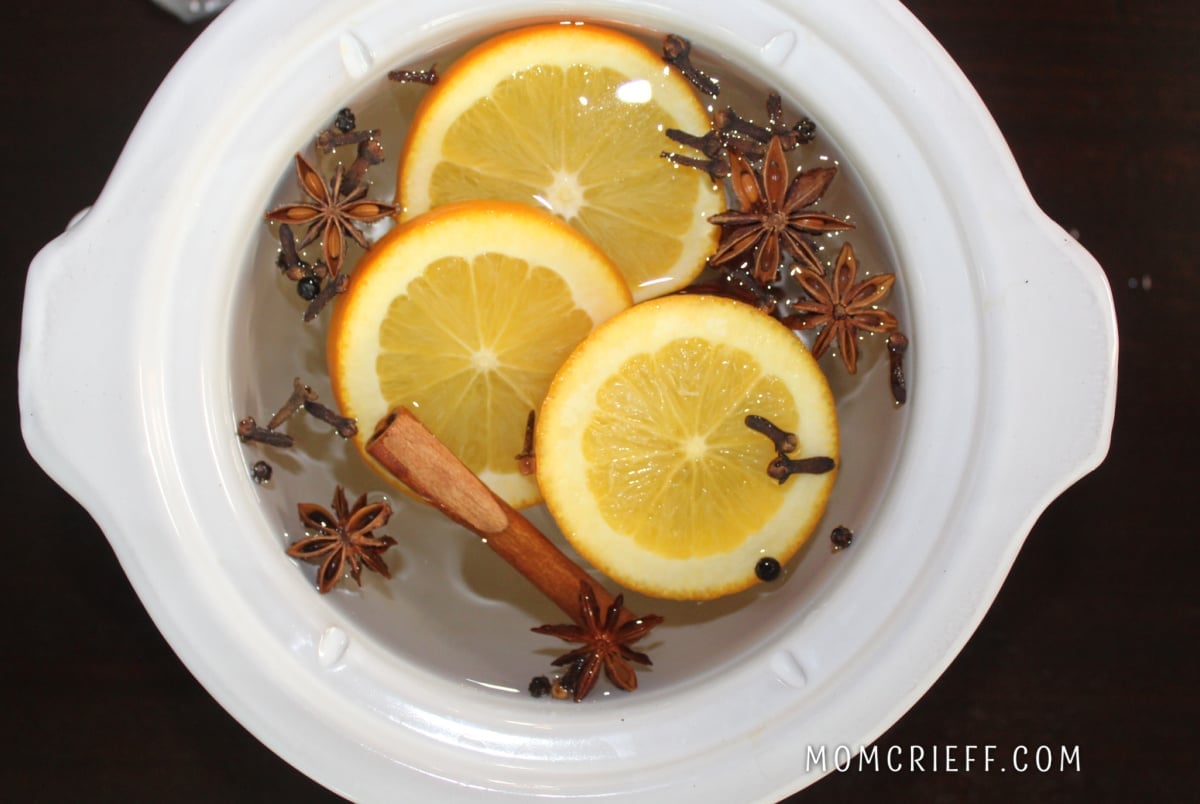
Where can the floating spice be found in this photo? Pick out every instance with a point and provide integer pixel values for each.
(841, 537)
(342, 132)
(750, 139)
(768, 569)
(308, 288)
(301, 393)
(428, 76)
(345, 120)
(344, 538)
(897, 345)
(784, 441)
(370, 153)
(261, 471)
(740, 285)
(773, 222)
(784, 467)
(324, 295)
(307, 277)
(331, 139)
(539, 686)
(677, 52)
(717, 167)
(345, 427)
(842, 307)
(526, 460)
(774, 218)
(606, 644)
(331, 215)
(249, 430)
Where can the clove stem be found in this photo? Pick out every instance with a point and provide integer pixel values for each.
(331, 138)
(784, 467)
(345, 427)
(370, 153)
(301, 393)
(526, 460)
(248, 430)
(717, 169)
(784, 441)
(428, 77)
(325, 295)
(677, 52)
(897, 345)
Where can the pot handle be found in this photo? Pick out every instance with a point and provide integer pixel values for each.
(77, 354)
(1056, 323)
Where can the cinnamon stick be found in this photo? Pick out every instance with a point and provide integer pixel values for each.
(407, 449)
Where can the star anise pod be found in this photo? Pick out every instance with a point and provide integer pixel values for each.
(345, 536)
(606, 644)
(843, 307)
(773, 218)
(331, 215)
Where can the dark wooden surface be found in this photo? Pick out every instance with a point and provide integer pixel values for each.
(1092, 641)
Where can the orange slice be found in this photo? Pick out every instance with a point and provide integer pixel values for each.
(571, 118)
(463, 315)
(645, 459)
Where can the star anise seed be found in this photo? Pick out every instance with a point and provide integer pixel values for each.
(606, 644)
(843, 307)
(773, 218)
(331, 215)
(344, 537)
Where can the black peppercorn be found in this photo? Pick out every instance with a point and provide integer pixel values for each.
(308, 288)
(539, 686)
(767, 568)
(345, 122)
(806, 131)
(842, 537)
(261, 472)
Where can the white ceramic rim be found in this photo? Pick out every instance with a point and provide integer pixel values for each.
(997, 428)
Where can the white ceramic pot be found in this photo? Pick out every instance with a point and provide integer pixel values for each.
(414, 688)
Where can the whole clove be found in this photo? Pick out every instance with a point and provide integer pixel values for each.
(428, 76)
(324, 295)
(301, 393)
(784, 441)
(897, 345)
(677, 52)
(331, 138)
(344, 427)
(717, 169)
(370, 153)
(248, 430)
(784, 467)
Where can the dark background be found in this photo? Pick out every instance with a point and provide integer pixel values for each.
(1093, 639)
